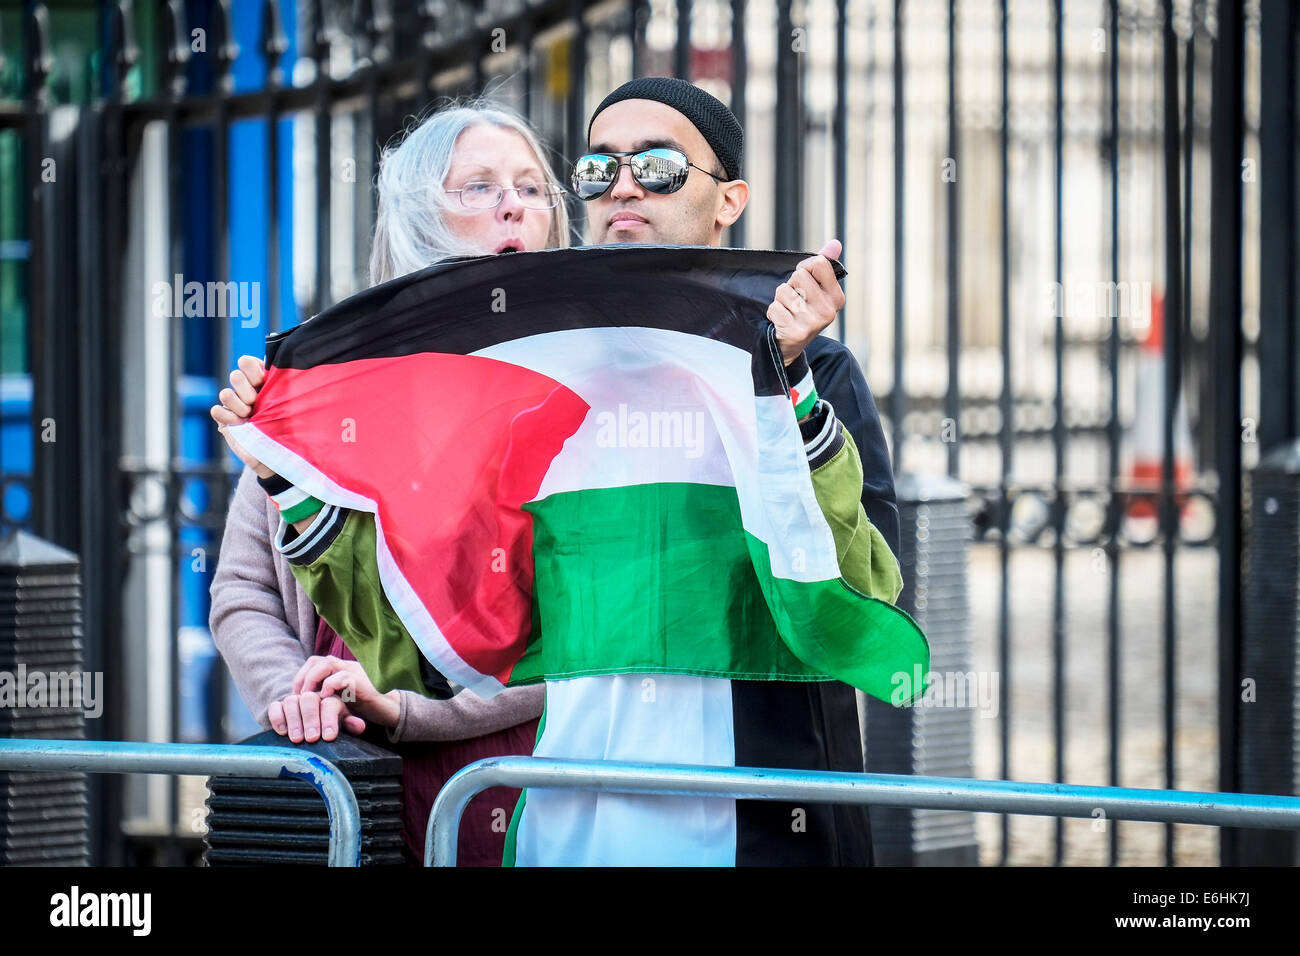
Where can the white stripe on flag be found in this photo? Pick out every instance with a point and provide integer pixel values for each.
(666, 371)
(650, 419)
(287, 499)
(804, 386)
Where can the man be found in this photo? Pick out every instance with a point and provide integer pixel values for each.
(686, 191)
(665, 113)
(661, 111)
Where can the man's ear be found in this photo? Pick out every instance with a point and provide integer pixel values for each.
(735, 195)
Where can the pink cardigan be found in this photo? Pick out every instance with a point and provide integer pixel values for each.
(264, 625)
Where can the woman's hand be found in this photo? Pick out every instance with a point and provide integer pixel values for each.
(335, 679)
(237, 407)
(311, 717)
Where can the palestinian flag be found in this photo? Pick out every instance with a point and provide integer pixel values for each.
(584, 466)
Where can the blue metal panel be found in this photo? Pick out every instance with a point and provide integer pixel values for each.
(16, 445)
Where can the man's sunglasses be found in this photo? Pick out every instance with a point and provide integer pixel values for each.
(659, 170)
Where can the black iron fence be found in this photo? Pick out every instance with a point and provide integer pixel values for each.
(1007, 148)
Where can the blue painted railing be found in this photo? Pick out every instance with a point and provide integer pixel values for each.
(876, 789)
(107, 756)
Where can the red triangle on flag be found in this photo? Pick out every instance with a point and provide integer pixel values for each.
(449, 447)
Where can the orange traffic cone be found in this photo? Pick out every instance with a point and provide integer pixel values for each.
(1147, 442)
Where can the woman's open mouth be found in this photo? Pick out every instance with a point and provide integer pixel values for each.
(510, 245)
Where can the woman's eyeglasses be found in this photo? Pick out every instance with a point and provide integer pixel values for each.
(659, 170)
(489, 195)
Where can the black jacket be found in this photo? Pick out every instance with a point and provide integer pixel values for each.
(840, 381)
(819, 717)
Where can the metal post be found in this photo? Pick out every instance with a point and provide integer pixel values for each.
(175, 52)
(226, 50)
(952, 400)
(1058, 423)
(739, 80)
(682, 48)
(1115, 511)
(320, 54)
(1172, 331)
(638, 16)
(49, 492)
(576, 125)
(937, 735)
(103, 565)
(1279, 318)
(1269, 755)
(840, 140)
(897, 391)
(790, 130)
(1227, 132)
(1006, 408)
(273, 46)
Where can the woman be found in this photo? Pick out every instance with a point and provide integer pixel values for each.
(469, 180)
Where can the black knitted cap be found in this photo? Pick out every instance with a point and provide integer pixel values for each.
(717, 124)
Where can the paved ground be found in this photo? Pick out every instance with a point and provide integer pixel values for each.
(1141, 704)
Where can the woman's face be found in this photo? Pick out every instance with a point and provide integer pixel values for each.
(498, 155)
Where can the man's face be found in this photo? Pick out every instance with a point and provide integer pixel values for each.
(694, 215)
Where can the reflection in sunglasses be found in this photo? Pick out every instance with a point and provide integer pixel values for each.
(658, 170)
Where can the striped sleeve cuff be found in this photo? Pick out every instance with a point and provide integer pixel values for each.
(307, 547)
(803, 393)
(293, 503)
(822, 435)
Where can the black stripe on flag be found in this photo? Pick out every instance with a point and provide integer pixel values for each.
(462, 305)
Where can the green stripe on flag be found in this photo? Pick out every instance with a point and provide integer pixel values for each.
(861, 640)
(662, 578)
(653, 578)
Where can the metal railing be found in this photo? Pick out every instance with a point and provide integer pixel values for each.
(111, 756)
(877, 789)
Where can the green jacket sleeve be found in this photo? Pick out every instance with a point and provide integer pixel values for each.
(864, 556)
(873, 644)
(336, 562)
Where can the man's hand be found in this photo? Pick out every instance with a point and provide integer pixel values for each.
(237, 407)
(807, 303)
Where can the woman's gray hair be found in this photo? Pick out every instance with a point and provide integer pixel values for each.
(410, 227)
